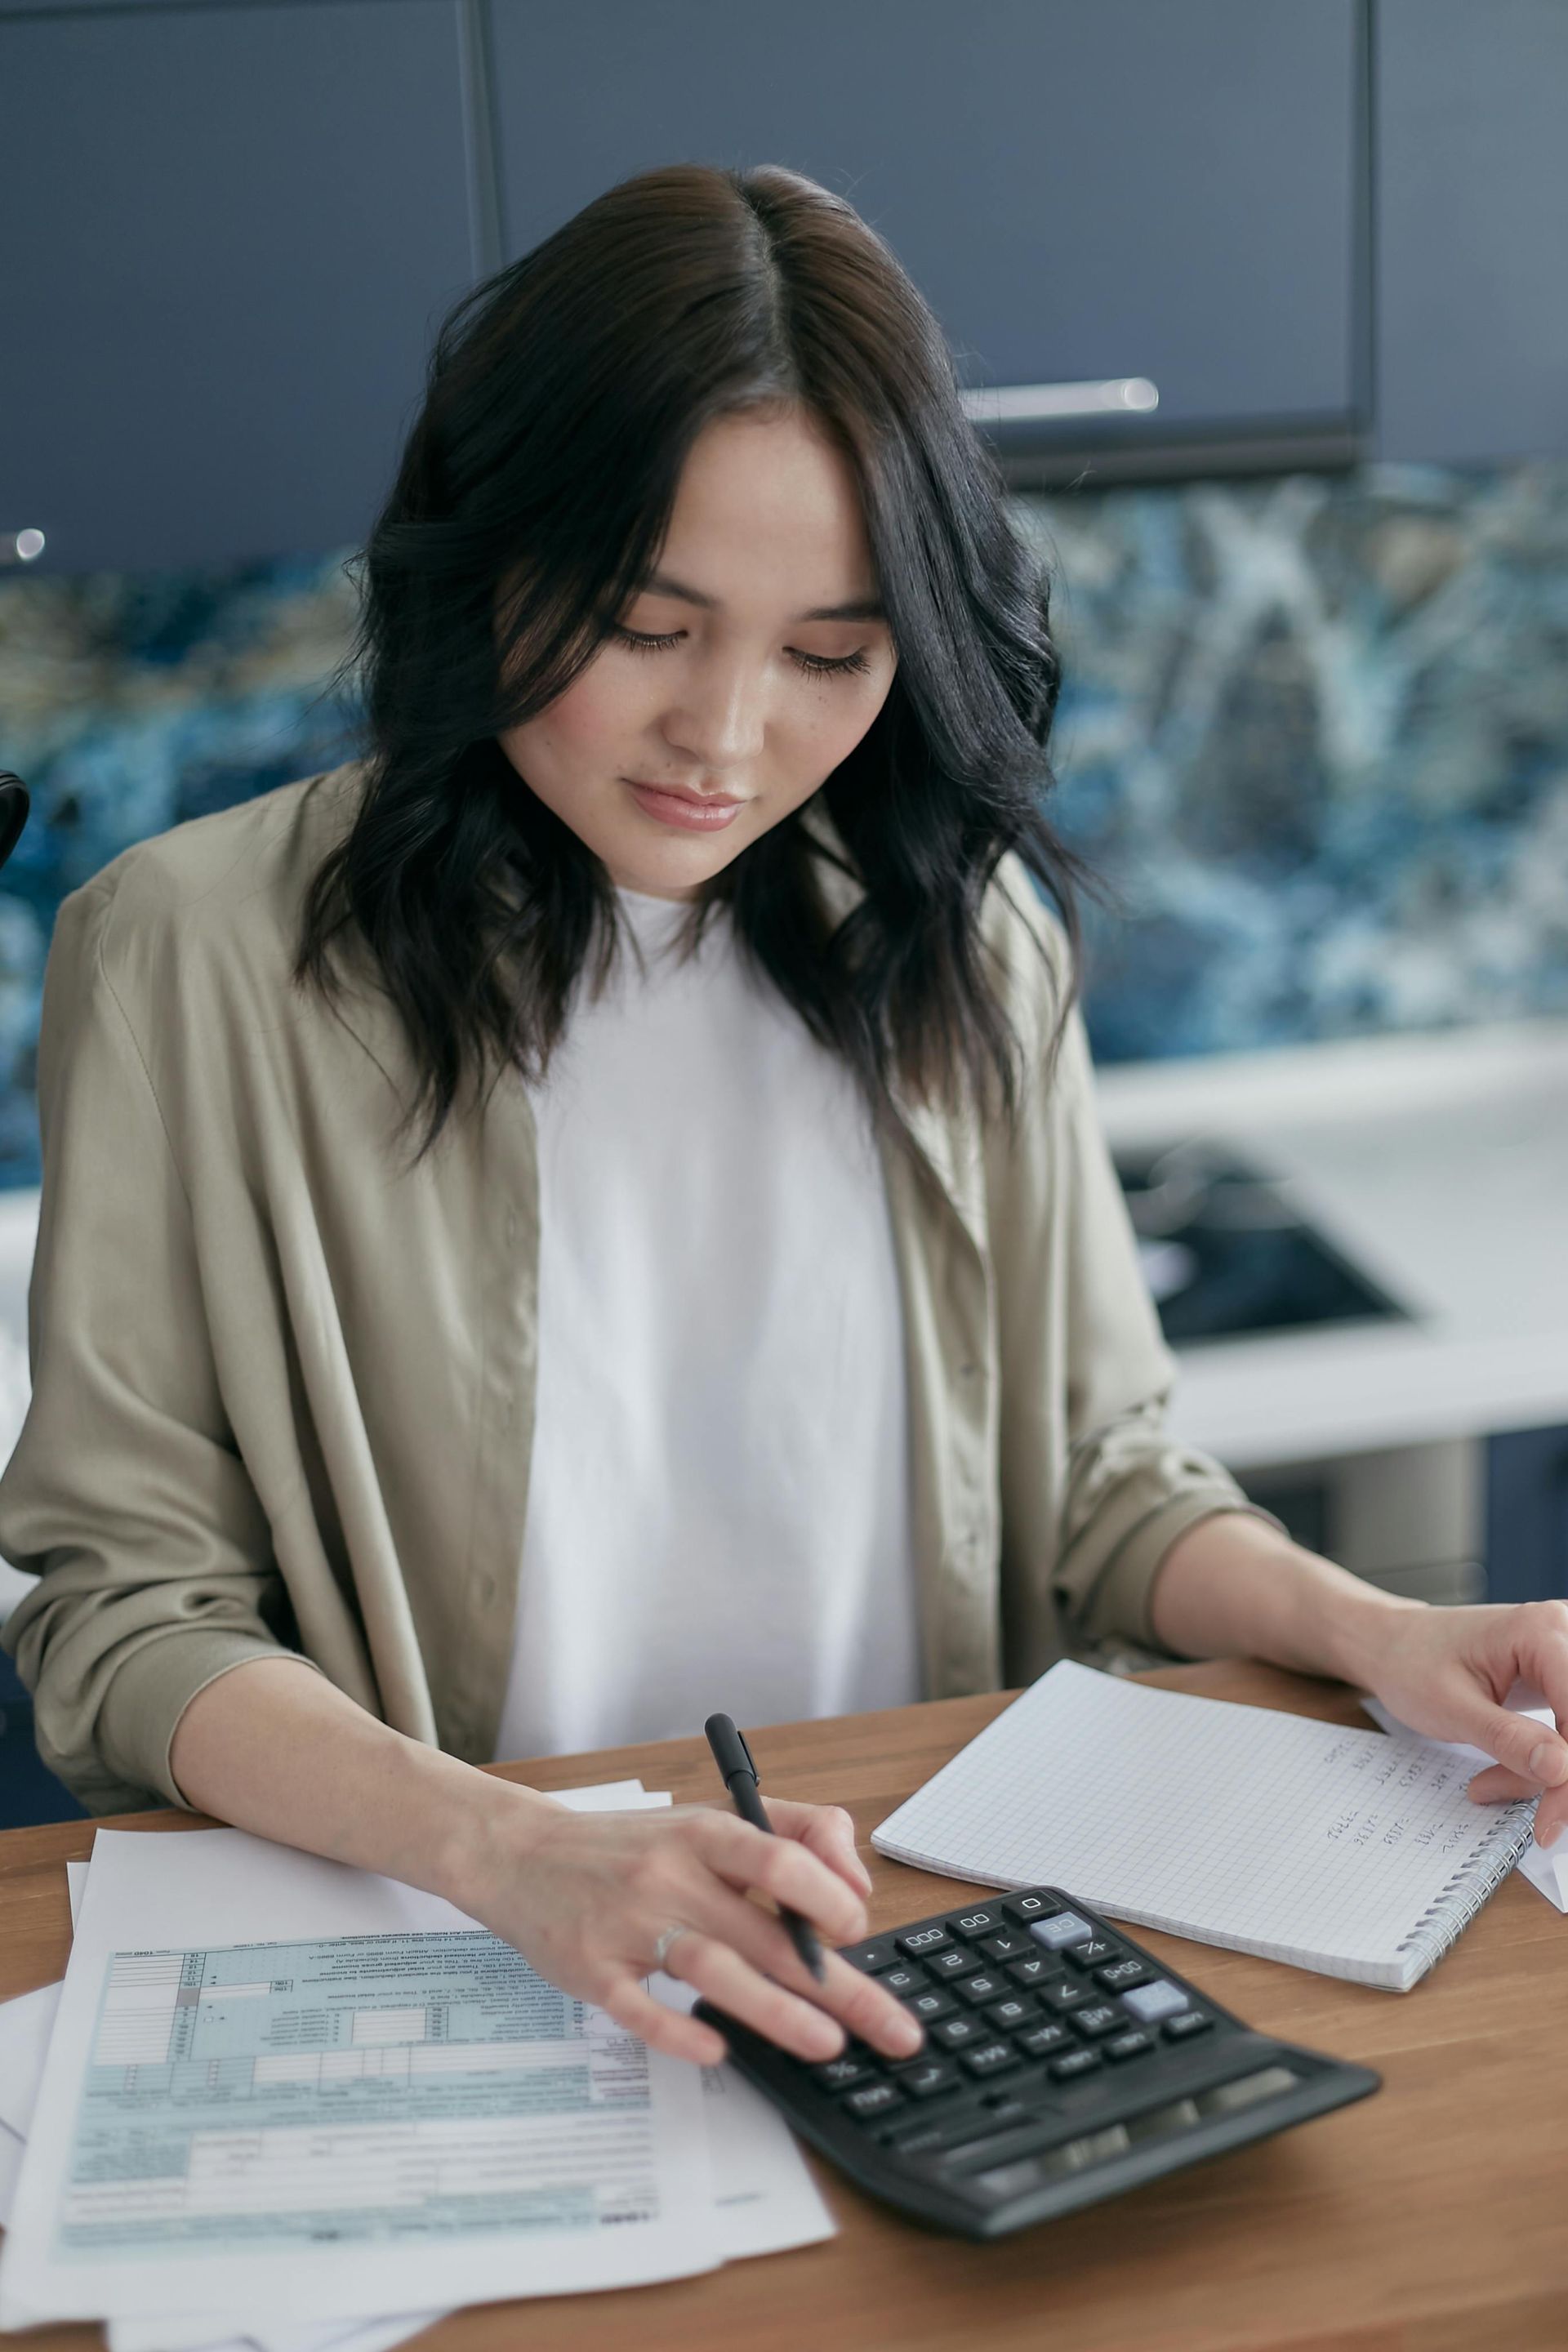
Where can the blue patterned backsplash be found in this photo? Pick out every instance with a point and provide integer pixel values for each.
(1315, 731)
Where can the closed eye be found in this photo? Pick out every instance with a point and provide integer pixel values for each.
(817, 664)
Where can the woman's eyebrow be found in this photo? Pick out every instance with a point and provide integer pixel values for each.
(863, 608)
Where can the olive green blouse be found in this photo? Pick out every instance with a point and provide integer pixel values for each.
(282, 1381)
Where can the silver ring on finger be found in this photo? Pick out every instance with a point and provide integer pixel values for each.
(667, 1937)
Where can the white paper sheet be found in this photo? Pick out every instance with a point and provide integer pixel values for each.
(1546, 1867)
(215, 2333)
(764, 2198)
(594, 2149)
(25, 2025)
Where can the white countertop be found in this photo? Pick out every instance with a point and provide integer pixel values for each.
(1439, 1165)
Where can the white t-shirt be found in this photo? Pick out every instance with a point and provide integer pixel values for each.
(718, 1511)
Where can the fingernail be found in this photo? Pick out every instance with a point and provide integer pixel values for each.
(1550, 1835)
(1549, 1763)
(908, 2034)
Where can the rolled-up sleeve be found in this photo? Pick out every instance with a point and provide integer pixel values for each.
(125, 1495)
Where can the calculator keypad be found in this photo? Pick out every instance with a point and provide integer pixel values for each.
(1021, 1990)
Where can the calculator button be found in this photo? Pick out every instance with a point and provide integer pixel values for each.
(957, 2033)
(926, 2078)
(1132, 2044)
(1092, 1951)
(875, 2099)
(918, 1940)
(1005, 2015)
(1120, 1974)
(1062, 1928)
(931, 2004)
(1065, 1994)
(1041, 2039)
(1178, 2029)
(870, 1957)
(1027, 1907)
(956, 1963)
(974, 1923)
(1037, 1970)
(983, 1987)
(1010, 1945)
(1103, 2016)
(1068, 2066)
(842, 2074)
(991, 2058)
(1150, 2001)
(904, 1980)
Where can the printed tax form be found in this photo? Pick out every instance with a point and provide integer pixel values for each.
(268, 2068)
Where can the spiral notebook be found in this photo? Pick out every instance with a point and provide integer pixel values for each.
(1352, 1853)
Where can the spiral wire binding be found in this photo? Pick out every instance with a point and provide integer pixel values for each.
(1488, 1867)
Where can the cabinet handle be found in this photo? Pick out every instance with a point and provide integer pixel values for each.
(1042, 404)
(20, 546)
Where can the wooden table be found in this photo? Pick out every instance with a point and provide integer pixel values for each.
(1430, 2217)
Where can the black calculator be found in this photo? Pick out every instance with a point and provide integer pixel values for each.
(1062, 2064)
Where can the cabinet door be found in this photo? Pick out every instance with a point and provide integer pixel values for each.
(228, 236)
(1527, 1515)
(1081, 190)
(1471, 160)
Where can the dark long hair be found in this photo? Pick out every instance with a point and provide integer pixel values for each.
(536, 485)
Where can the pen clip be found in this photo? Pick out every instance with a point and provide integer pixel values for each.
(750, 1759)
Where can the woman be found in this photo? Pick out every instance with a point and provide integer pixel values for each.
(766, 1334)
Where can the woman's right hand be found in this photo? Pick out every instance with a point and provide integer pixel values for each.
(586, 1896)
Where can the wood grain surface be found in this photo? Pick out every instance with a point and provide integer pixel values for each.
(1432, 2217)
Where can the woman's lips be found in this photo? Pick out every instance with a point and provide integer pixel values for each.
(697, 815)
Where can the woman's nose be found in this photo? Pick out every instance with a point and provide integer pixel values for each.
(720, 720)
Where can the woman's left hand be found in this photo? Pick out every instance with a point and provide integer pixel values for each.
(1445, 1673)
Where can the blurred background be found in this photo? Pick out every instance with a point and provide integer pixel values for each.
(1261, 303)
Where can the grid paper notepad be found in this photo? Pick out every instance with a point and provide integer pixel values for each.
(1352, 1853)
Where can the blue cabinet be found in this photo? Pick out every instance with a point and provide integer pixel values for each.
(1527, 1516)
(230, 233)
(1471, 140)
(27, 1792)
(1122, 189)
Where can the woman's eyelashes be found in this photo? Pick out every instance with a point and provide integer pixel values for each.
(817, 664)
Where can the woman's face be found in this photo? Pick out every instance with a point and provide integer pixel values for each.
(729, 709)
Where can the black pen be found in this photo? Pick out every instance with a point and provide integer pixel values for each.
(739, 1773)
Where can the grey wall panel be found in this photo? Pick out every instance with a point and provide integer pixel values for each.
(1471, 129)
(1126, 188)
(227, 237)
